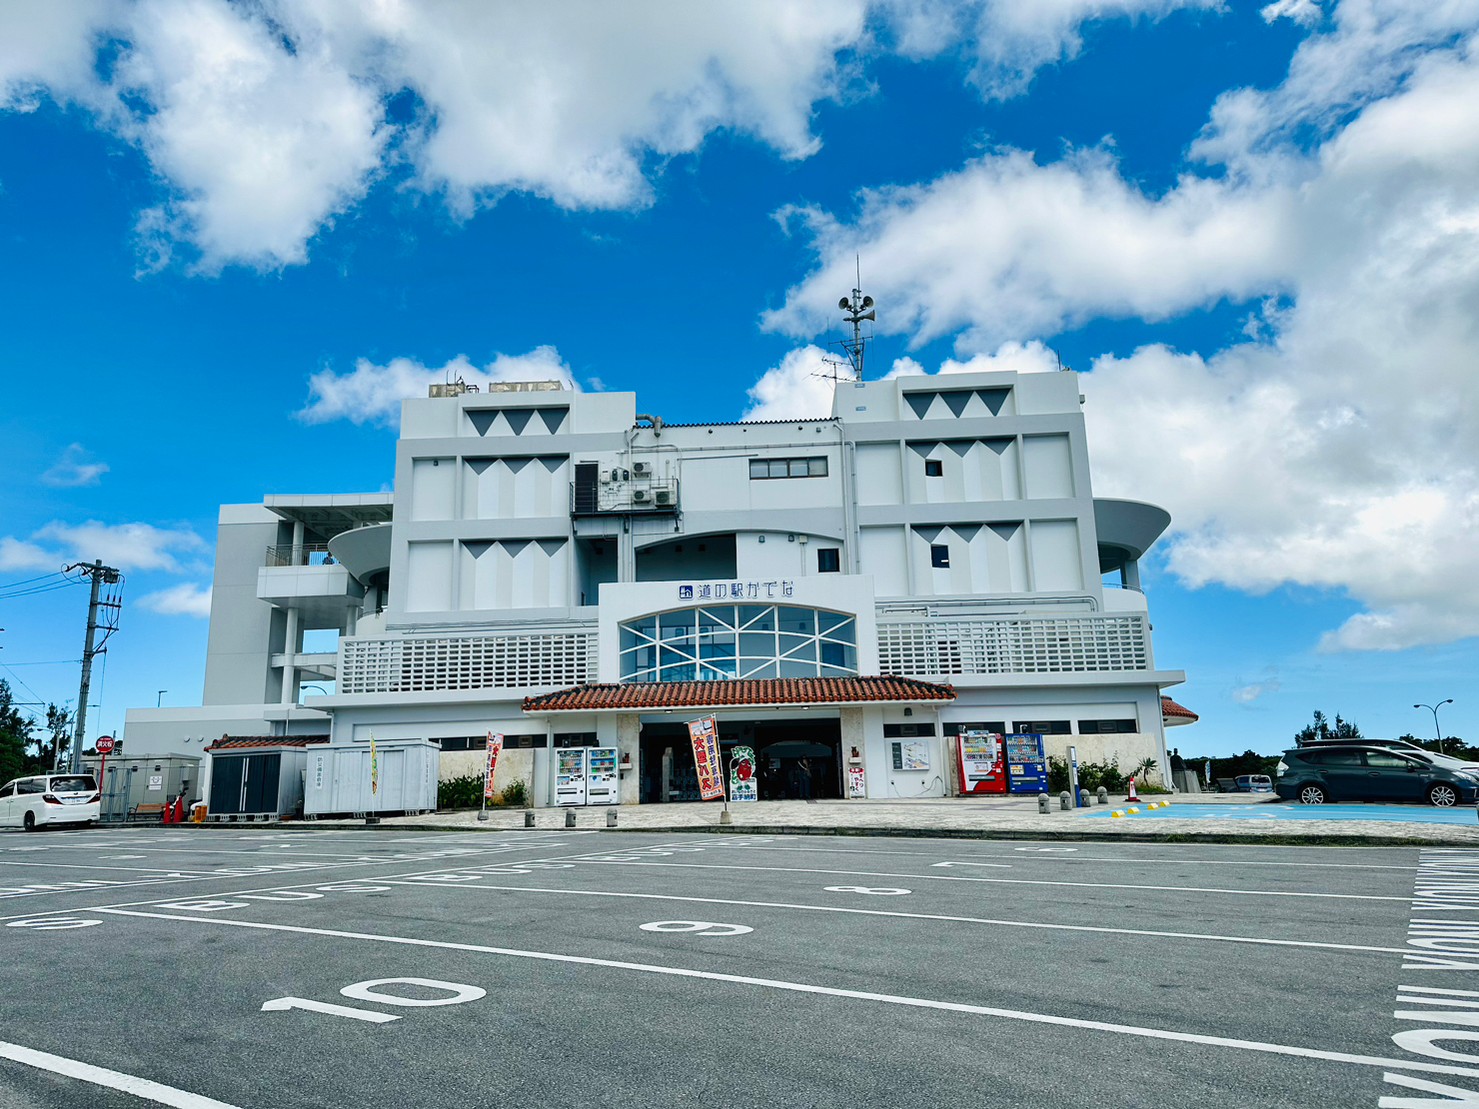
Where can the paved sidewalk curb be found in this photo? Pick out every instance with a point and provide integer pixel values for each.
(1331, 835)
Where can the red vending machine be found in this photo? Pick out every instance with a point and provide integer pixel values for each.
(982, 763)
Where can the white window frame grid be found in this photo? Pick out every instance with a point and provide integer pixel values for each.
(683, 650)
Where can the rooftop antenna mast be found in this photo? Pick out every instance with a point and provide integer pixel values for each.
(856, 309)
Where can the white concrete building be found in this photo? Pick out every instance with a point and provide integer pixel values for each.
(940, 529)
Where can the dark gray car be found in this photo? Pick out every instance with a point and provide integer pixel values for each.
(1353, 772)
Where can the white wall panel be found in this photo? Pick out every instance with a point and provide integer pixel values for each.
(1057, 563)
(883, 558)
(879, 480)
(1049, 465)
(429, 570)
(432, 481)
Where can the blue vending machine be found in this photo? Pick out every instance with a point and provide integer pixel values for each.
(1027, 764)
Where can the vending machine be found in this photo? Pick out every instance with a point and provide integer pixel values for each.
(1027, 763)
(982, 769)
(602, 779)
(570, 776)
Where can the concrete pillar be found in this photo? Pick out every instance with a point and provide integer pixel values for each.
(290, 650)
(628, 743)
(1130, 575)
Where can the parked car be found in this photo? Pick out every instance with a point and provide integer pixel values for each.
(1253, 783)
(1354, 772)
(49, 799)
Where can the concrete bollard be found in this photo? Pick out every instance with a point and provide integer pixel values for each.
(724, 817)
(1083, 798)
(529, 819)
(1103, 796)
(569, 818)
(1042, 803)
(611, 819)
(1065, 801)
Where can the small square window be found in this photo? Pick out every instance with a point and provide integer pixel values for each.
(933, 467)
(940, 556)
(829, 560)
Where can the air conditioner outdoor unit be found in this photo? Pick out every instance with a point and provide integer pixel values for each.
(640, 496)
(664, 496)
(641, 467)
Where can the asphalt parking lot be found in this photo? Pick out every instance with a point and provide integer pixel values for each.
(273, 967)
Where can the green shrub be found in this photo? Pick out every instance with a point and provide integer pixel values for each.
(512, 796)
(465, 792)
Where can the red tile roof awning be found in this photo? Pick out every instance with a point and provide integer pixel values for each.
(1173, 714)
(738, 693)
(239, 742)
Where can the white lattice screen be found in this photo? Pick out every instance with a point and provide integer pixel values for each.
(428, 663)
(1018, 645)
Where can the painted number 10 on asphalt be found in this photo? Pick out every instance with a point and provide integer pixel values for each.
(374, 990)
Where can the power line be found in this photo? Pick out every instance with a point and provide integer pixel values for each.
(31, 591)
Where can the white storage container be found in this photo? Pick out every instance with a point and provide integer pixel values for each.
(338, 778)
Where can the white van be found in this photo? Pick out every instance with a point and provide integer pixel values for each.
(49, 799)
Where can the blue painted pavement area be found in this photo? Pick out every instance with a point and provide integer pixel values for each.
(1421, 814)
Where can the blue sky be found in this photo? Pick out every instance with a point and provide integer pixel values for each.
(234, 235)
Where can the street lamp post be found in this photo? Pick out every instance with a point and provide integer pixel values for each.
(1434, 710)
(310, 685)
(159, 700)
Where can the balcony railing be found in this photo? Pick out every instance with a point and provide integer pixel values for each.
(302, 554)
(507, 661)
(943, 648)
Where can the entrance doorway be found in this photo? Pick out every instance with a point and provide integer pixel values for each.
(795, 759)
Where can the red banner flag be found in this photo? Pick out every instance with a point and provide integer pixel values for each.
(705, 736)
(495, 745)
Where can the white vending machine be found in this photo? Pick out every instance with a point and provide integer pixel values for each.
(570, 775)
(602, 781)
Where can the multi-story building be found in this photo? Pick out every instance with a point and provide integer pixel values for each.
(559, 568)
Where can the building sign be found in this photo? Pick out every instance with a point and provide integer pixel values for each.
(742, 785)
(495, 745)
(736, 590)
(705, 736)
(857, 787)
(911, 754)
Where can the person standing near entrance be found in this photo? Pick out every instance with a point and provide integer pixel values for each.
(803, 780)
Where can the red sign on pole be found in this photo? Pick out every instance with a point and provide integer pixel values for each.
(104, 745)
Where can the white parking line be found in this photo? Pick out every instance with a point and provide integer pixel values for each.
(1130, 1030)
(1011, 881)
(1046, 926)
(112, 1079)
(1163, 861)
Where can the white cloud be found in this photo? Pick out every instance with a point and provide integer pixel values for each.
(46, 45)
(124, 546)
(265, 121)
(179, 600)
(16, 554)
(74, 469)
(372, 394)
(1007, 245)
(1247, 694)
(262, 145)
(1335, 449)
(1013, 40)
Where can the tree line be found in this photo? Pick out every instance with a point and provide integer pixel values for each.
(1320, 728)
(25, 747)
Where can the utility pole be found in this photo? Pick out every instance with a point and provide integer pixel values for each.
(100, 575)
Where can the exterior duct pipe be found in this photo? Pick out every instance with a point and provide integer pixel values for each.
(655, 421)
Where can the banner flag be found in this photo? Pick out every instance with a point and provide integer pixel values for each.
(705, 736)
(495, 745)
(374, 766)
